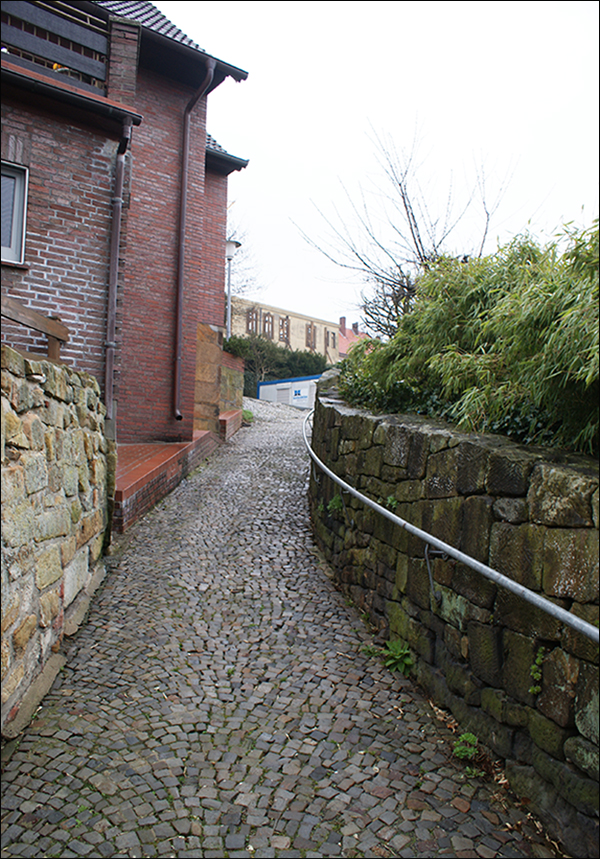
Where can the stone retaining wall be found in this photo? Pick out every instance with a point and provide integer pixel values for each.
(232, 382)
(58, 472)
(531, 514)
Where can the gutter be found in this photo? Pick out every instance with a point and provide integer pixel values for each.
(185, 158)
(59, 90)
(113, 270)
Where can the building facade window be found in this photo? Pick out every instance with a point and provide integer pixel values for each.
(252, 321)
(268, 326)
(311, 335)
(14, 211)
(333, 339)
(284, 329)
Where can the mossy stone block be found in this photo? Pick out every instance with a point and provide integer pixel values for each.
(547, 735)
(584, 755)
(442, 471)
(516, 551)
(472, 468)
(560, 672)
(519, 654)
(586, 702)
(580, 791)
(560, 496)
(509, 471)
(570, 563)
(485, 652)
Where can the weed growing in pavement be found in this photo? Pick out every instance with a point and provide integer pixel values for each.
(465, 748)
(247, 416)
(473, 772)
(372, 650)
(397, 657)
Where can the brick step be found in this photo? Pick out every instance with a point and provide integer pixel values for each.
(146, 473)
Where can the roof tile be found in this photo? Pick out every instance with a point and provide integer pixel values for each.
(148, 16)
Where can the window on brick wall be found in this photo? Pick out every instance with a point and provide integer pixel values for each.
(284, 329)
(252, 321)
(268, 325)
(14, 207)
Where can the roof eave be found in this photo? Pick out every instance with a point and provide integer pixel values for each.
(222, 69)
(223, 162)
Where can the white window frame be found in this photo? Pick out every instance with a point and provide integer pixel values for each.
(15, 251)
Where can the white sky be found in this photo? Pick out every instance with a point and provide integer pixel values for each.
(506, 88)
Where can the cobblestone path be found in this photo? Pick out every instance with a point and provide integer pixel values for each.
(217, 702)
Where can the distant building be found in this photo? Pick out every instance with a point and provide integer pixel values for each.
(285, 328)
(349, 336)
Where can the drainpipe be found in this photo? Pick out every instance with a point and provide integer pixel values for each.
(185, 157)
(113, 269)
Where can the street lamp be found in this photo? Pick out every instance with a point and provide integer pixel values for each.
(231, 247)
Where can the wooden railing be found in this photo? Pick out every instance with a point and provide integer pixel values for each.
(54, 330)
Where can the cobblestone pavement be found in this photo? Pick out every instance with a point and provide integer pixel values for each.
(217, 702)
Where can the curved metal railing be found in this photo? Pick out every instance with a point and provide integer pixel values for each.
(582, 626)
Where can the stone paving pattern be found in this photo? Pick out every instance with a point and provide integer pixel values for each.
(217, 703)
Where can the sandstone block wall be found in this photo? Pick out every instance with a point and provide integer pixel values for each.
(232, 382)
(58, 474)
(531, 514)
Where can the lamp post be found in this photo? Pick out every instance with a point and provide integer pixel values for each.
(231, 247)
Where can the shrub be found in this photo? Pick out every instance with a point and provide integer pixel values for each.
(507, 343)
(266, 361)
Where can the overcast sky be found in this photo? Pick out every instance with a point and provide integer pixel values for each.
(506, 90)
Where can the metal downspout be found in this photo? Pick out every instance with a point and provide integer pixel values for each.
(185, 157)
(113, 270)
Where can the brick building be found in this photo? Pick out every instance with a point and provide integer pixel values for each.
(120, 198)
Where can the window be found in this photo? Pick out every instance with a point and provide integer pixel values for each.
(311, 335)
(252, 321)
(333, 339)
(284, 329)
(14, 204)
(268, 326)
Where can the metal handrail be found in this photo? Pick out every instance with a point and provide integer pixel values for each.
(587, 629)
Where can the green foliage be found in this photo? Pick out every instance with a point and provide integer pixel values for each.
(507, 344)
(396, 657)
(536, 672)
(266, 361)
(465, 748)
(371, 650)
(247, 416)
(336, 504)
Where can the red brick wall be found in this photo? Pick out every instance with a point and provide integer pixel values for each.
(146, 324)
(68, 229)
(67, 249)
(215, 231)
(233, 362)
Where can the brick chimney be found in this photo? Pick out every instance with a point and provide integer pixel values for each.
(343, 326)
(355, 328)
(123, 60)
